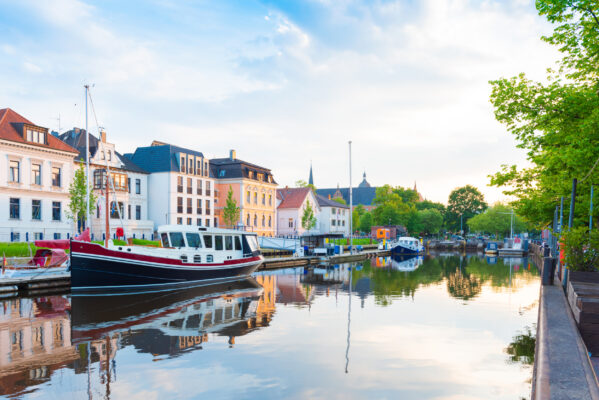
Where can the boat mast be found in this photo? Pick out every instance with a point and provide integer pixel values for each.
(87, 216)
(107, 210)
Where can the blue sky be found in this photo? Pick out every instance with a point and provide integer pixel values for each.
(284, 82)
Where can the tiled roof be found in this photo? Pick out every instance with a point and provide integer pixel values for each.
(292, 197)
(227, 168)
(324, 202)
(11, 128)
(360, 195)
(160, 158)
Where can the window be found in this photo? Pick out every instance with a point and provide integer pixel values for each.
(208, 241)
(251, 174)
(14, 171)
(57, 235)
(56, 176)
(218, 242)
(36, 172)
(38, 236)
(16, 237)
(255, 197)
(333, 210)
(97, 212)
(199, 221)
(269, 221)
(208, 222)
(189, 207)
(191, 166)
(255, 220)
(343, 222)
(263, 221)
(248, 197)
(129, 185)
(15, 208)
(137, 186)
(183, 164)
(164, 238)
(36, 136)
(199, 188)
(291, 222)
(333, 222)
(180, 184)
(221, 173)
(129, 211)
(56, 211)
(189, 221)
(237, 243)
(199, 207)
(228, 242)
(180, 205)
(117, 213)
(198, 168)
(193, 240)
(263, 199)
(207, 188)
(189, 186)
(179, 221)
(138, 213)
(270, 199)
(207, 206)
(177, 239)
(215, 222)
(109, 155)
(36, 209)
(248, 220)
(205, 168)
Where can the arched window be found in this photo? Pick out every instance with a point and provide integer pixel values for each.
(255, 220)
(248, 220)
(269, 221)
(263, 221)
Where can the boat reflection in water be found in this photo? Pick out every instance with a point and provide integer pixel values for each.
(406, 263)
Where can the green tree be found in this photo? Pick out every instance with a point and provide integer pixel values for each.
(366, 222)
(429, 221)
(231, 211)
(463, 204)
(303, 183)
(497, 220)
(308, 218)
(77, 208)
(340, 200)
(391, 209)
(555, 122)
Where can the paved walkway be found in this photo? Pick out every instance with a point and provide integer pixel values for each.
(562, 366)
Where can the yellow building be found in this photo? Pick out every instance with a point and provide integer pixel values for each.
(254, 190)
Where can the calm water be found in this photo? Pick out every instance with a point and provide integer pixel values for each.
(456, 327)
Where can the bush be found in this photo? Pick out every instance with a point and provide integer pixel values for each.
(581, 249)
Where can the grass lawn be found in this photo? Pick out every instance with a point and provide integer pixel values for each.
(17, 249)
(355, 241)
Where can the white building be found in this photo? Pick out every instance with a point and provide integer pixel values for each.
(333, 217)
(129, 196)
(181, 190)
(36, 169)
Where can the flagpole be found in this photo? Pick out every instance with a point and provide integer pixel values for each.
(351, 206)
(87, 216)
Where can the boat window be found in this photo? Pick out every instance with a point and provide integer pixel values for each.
(218, 242)
(193, 240)
(252, 242)
(177, 239)
(164, 237)
(237, 243)
(228, 243)
(208, 241)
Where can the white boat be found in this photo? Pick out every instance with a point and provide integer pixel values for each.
(406, 263)
(44, 262)
(406, 246)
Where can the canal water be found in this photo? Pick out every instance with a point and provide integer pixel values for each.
(447, 326)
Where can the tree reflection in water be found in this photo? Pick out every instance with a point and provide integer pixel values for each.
(522, 348)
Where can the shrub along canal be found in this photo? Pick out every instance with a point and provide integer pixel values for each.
(459, 327)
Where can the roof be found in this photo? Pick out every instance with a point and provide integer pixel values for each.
(76, 138)
(160, 157)
(228, 168)
(292, 197)
(325, 202)
(11, 128)
(360, 195)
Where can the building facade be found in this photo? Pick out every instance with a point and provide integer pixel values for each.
(181, 190)
(36, 169)
(254, 190)
(291, 203)
(128, 194)
(333, 217)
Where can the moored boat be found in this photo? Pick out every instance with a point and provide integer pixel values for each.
(406, 246)
(189, 255)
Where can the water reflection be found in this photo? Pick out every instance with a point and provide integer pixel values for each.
(298, 321)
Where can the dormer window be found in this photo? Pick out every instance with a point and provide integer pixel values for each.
(35, 136)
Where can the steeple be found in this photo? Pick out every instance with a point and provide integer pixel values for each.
(311, 178)
(364, 182)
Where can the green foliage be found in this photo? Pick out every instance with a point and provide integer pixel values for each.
(77, 208)
(356, 241)
(308, 218)
(366, 222)
(303, 183)
(497, 220)
(429, 221)
(463, 204)
(230, 210)
(339, 200)
(581, 248)
(392, 208)
(522, 348)
(556, 122)
(17, 249)
(145, 242)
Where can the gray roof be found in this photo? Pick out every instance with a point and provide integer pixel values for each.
(160, 158)
(76, 138)
(225, 168)
(325, 202)
(360, 195)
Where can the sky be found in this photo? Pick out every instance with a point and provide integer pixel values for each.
(284, 83)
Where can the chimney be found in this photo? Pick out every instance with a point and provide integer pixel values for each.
(232, 154)
(103, 136)
(329, 197)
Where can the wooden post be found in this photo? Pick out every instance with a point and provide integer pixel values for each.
(107, 212)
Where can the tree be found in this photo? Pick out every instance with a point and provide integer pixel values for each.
(497, 220)
(555, 122)
(303, 183)
(429, 221)
(463, 203)
(308, 218)
(366, 222)
(231, 211)
(391, 209)
(339, 200)
(77, 208)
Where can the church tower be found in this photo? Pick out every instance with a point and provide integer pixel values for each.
(311, 178)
